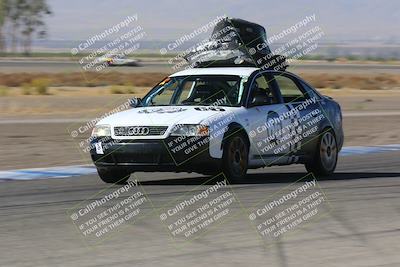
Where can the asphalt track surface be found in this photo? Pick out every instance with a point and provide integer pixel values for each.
(362, 228)
(14, 66)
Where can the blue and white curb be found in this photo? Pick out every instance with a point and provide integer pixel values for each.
(79, 170)
(362, 150)
(44, 173)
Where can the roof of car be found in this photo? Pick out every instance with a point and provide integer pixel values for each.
(240, 71)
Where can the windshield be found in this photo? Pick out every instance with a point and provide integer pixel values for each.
(207, 90)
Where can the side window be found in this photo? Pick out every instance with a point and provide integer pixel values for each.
(289, 89)
(261, 92)
(309, 91)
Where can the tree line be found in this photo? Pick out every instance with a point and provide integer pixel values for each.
(20, 21)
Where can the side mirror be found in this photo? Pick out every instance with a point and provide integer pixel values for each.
(135, 102)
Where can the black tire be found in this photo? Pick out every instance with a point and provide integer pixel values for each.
(113, 176)
(326, 155)
(235, 158)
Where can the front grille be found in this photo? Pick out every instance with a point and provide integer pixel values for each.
(139, 130)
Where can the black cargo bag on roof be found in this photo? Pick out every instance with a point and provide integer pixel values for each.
(236, 42)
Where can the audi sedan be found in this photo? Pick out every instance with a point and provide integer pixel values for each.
(222, 119)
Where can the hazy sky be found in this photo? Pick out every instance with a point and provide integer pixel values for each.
(169, 19)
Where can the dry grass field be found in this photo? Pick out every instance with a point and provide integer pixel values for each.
(90, 79)
(69, 95)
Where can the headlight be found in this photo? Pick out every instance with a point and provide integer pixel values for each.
(101, 130)
(189, 130)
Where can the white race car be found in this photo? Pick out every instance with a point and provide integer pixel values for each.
(117, 60)
(221, 119)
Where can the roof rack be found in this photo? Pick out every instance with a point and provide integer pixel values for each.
(236, 43)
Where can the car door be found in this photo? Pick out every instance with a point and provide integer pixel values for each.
(305, 114)
(265, 122)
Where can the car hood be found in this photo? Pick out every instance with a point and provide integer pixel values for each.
(165, 115)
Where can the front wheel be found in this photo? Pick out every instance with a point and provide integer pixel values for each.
(235, 158)
(325, 159)
(113, 176)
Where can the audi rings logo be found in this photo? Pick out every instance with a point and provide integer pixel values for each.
(138, 130)
(131, 131)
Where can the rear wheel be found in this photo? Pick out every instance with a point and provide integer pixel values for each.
(113, 176)
(235, 158)
(325, 158)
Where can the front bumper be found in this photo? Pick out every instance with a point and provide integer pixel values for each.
(155, 155)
